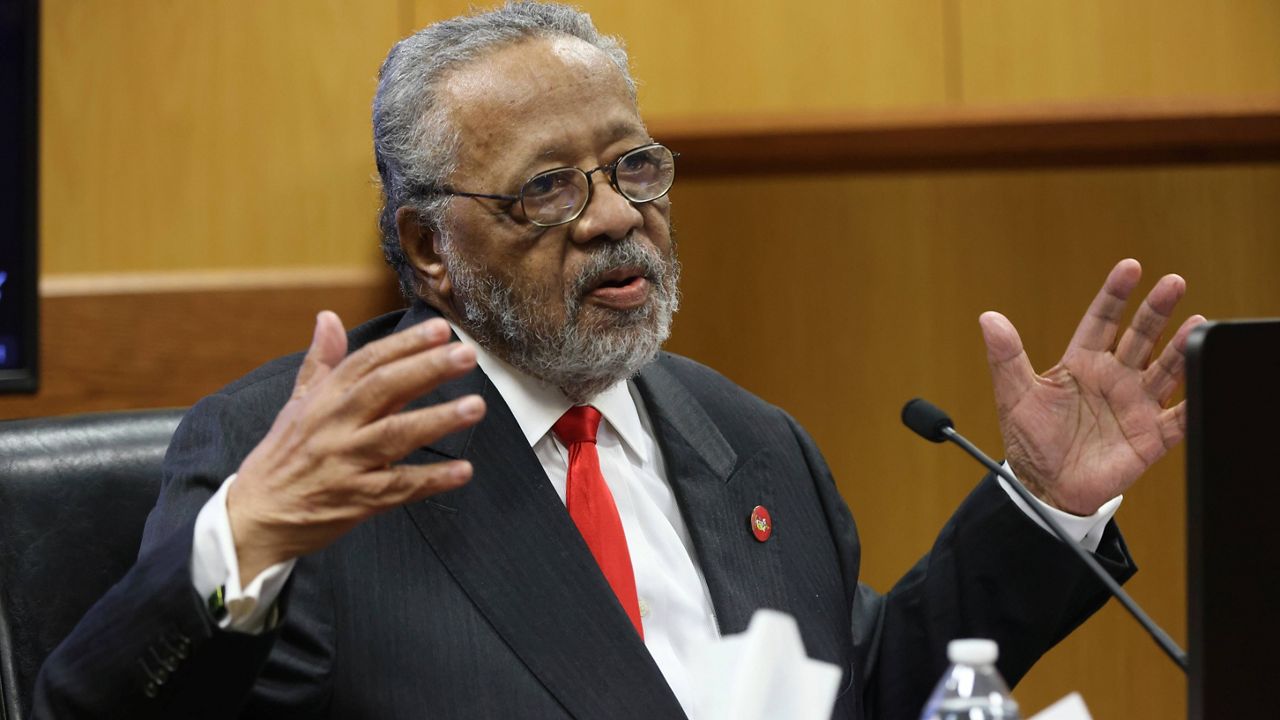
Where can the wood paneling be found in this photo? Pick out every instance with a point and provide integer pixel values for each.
(966, 138)
(1013, 51)
(235, 134)
(120, 342)
(736, 56)
(208, 135)
(840, 297)
(725, 57)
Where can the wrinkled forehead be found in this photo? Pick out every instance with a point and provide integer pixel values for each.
(537, 91)
(528, 66)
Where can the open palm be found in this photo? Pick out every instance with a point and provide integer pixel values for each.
(1085, 430)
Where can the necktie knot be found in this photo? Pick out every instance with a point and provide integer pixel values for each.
(578, 425)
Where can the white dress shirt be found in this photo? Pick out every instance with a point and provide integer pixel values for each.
(675, 604)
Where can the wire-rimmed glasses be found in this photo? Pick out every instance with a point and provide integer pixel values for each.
(555, 197)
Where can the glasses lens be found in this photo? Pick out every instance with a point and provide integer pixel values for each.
(555, 196)
(645, 173)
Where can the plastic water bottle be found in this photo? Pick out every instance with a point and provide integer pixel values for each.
(971, 689)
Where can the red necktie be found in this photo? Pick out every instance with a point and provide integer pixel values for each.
(591, 506)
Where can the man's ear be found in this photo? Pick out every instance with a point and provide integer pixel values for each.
(421, 245)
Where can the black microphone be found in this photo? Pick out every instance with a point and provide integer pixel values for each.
(926, 420)
(931, 423)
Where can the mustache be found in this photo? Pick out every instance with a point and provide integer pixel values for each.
(627, 252)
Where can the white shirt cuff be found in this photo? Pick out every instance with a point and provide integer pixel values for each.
(214, 564)
(1086, 530)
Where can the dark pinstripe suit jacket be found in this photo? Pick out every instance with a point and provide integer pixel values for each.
(485, 602)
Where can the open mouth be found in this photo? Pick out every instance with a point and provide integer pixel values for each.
(619, 282)
(621, 288)
(619, 277)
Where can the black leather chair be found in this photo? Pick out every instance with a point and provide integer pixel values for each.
(74, 495)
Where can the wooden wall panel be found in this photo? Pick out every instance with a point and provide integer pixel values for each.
(735, 56)
(724, 57)
(1154, 132)
(840, 297)
(122, 342)
(181, 136)
(1012, 51)
(208, 135)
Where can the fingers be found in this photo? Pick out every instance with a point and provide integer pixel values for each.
(401, 484)
(416, 339)
(395, 436)
(266, 535)
(328, 348)
(1011, 372)
(1163, 376)
(388, 388)
(1173, 424)
(1139, 340)
(1098, 328)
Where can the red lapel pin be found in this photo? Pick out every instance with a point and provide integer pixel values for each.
(761, 523)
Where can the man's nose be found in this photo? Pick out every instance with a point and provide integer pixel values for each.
(608, 214)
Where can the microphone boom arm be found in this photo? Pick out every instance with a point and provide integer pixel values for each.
(1166, 643)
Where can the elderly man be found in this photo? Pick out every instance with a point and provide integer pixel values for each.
(544, 517)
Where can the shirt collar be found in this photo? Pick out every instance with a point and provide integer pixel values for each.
(537, 406)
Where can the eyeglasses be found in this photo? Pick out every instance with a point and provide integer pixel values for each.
(558, 196)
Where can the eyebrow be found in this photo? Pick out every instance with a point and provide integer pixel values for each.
(612, 133)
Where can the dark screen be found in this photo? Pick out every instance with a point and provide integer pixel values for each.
(1233, 518)
(18, 128)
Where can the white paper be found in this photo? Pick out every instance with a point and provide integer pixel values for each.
(763, 673)
(1070, 707)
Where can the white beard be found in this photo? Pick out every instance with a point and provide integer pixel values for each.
(571, 354)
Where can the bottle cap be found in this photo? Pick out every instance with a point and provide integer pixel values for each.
(972, 652)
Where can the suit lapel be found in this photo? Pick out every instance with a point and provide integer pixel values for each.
(509, 543)
(717, 490)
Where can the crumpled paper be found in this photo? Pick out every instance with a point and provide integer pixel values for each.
(763, 673)
(1071, 707)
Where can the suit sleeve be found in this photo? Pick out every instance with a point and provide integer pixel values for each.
(992, 573)
(150, 648)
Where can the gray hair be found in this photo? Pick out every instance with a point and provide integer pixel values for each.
(414, 141)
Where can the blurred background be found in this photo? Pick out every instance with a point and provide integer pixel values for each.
(860, 179)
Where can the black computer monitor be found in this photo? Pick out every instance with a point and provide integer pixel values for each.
(1233, 519)
(19, 85)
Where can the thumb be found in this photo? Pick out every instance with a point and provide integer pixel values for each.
(1011, 373)
(328, 348)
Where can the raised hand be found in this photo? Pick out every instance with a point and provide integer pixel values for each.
(326, 463)
(1085, 430)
